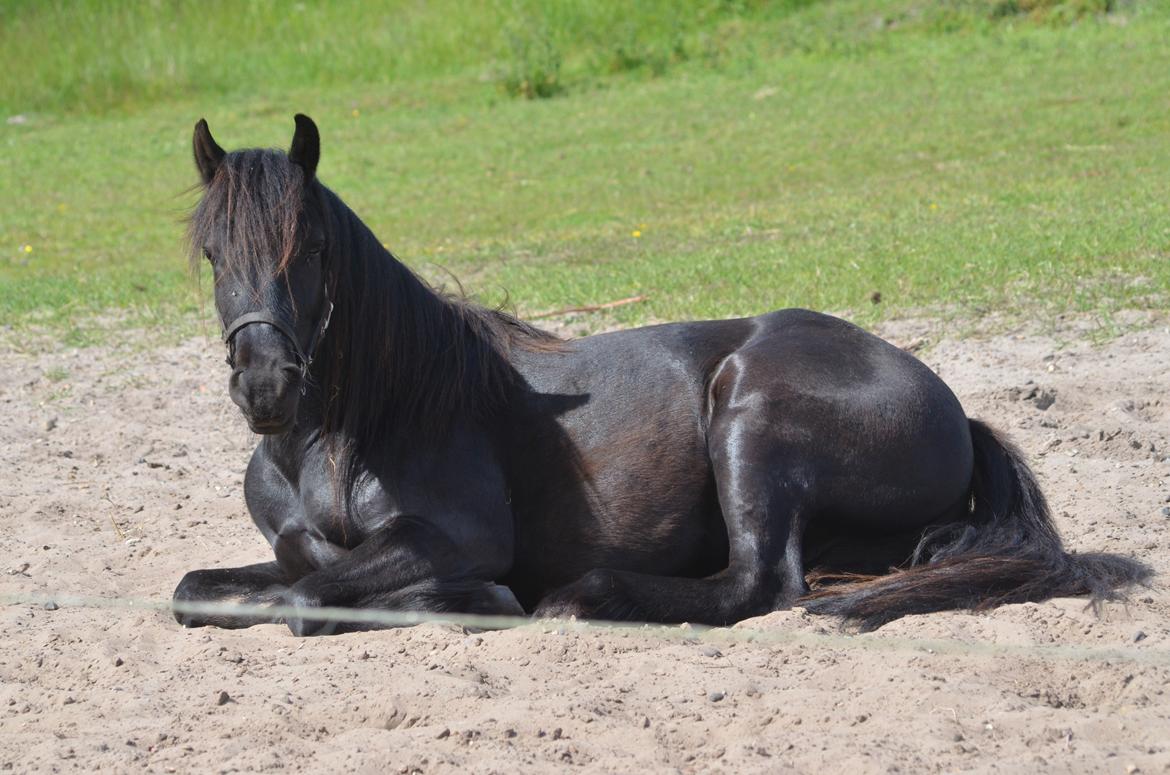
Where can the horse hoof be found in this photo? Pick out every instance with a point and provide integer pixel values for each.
(304, 626)
(593, 596)
(307, 628)
(191, 589)
(504, 602)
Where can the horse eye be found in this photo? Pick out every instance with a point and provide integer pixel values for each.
(207, 255)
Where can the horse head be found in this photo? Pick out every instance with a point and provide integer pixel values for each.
(262, 225)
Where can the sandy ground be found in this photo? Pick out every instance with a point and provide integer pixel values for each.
(122, 468)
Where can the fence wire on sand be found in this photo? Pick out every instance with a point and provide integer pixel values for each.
(679, 633)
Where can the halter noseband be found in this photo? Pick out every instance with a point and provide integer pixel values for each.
(304, 357)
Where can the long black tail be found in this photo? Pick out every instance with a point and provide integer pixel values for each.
(1007, 551)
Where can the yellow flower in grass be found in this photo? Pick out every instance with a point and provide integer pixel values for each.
(636, 233)
(27, 248)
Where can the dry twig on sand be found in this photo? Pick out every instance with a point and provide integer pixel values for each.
(589, 308)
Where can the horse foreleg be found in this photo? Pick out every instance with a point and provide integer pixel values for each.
(262, 584)
(460, 595)
(409, 565)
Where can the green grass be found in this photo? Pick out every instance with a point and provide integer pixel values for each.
(95, 55)
(956, 157)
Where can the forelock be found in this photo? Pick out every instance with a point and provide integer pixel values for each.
(250, 209)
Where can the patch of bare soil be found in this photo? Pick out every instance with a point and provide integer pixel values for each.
(122, 469)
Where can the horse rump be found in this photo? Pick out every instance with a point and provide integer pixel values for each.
(1006, 551)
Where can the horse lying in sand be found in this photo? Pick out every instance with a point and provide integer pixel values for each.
(421, 452)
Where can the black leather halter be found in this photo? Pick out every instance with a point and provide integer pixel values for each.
(304, 357)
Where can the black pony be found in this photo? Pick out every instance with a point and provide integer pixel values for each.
(421, 452)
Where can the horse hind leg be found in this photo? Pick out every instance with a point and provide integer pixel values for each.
(762, 579)
(263, 584)
(765, 512)
(729, 596)
(766, 504)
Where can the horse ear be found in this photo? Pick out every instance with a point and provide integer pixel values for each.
(208, 154)
(306, 146)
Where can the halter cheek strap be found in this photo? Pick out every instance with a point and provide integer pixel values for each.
(304, 357)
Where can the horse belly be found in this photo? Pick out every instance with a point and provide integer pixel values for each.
(656, 514)
(639, 496)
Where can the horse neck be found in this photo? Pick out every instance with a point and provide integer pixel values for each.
(412, 359)
(377, 279)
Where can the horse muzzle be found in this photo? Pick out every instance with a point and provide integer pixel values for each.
(267, 397)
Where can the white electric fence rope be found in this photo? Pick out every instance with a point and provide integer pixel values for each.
(685, 633)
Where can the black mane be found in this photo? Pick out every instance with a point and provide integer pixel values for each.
(253, 203)
(404, 356)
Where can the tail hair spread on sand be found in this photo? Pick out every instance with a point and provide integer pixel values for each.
(1007, 551)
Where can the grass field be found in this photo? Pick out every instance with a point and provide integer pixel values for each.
(955, 157)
